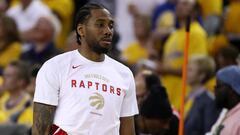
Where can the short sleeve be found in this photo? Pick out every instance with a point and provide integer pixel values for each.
(129, 106)
(47, 85)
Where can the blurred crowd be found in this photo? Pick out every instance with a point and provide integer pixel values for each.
(149, 38)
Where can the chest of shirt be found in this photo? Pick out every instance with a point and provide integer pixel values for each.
(94, 87)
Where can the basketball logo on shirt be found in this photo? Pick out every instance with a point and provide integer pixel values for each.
(96, 101)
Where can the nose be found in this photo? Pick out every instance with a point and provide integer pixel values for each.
(108, 31)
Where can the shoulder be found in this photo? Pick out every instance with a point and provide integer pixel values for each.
(59, 61)
(205, 98)
(197, 29)
(120, 67)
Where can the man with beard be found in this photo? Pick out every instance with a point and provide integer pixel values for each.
(85, 92)
(227, 92)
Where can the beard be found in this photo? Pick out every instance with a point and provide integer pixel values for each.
(221, 100)
(96, 46)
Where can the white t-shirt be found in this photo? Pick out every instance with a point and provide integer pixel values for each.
(27, 19)
(90, 96)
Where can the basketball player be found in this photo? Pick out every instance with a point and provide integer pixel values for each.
(85, 92)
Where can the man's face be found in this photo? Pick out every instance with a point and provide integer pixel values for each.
(221, 94)
(99, 31)
(157, 126)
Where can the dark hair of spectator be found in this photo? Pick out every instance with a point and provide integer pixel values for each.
(23, 72)
(10, 31)
(156, 105)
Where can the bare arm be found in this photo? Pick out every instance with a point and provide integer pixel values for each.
(42, 118)
(127, 126)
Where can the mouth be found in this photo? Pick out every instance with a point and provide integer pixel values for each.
(107, 41)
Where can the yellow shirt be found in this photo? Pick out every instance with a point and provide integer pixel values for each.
(211, 7)
(1, 80)
(13, 111)
(173, 57)
(9, 54)
(26, 117)
(134, 52)
(216, 42)
(232, 20)
(64, 9)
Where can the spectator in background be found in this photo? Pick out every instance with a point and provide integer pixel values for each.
(138, 50)
(157, 114)
(226, 56)
(227, 92)
(145, 79)
(63, 9)
(211, 12)
(10, 45)
(42, 41)
(125, 12)
(163, 22)
(231, 23)
(4, 4)
(200, 109)
(26, 14)
(170, 67)
(15, 99)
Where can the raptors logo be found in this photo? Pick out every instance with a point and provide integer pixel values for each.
(96, 101)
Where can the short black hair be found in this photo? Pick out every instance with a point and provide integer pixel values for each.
(83, 15)
(156, 105)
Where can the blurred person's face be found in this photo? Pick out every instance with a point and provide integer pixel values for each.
(98, 31)
(44, 30)
(140, 28)
(184, 8)
(10, 78)
(221, 94)
(194, 76)
(3, 6)
(157, 126)
(224, 62)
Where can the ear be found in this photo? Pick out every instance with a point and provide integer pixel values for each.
(80, 30)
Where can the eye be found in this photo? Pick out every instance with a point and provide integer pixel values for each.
(100, 25)
(111, 26)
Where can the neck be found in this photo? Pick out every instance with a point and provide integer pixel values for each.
(89, 54)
